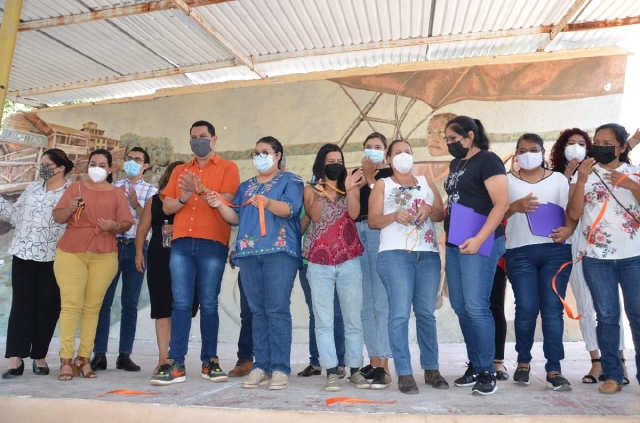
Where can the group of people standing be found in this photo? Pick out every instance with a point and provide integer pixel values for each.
(363, 243)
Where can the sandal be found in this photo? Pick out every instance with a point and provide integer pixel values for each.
(65, 363)
(590, 379)
(501, 374)
(82, 366)
(625, 379)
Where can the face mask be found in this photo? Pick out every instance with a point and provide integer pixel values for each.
(97, 174)
(201, 146)
(46, 172)
(376, 156)
(604, 155)
(528, 161)
(457, 150)
(263, 163)
(575, 151)
(403, 162)
(334, 171)
(132, 168)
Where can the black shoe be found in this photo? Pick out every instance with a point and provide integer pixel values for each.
(501, 374)
(99, 362)
(469, 377)
(435, 379)
(367, 372)
(557, 382)
(124, 363)
(407, 385)
(486, 384)
(521, 375)
(381, 379)
(40, 371)
(11, 373)
(310, 371)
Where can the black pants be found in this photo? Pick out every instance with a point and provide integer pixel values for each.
(497, 309)
(35, 309)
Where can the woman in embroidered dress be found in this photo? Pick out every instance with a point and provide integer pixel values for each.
(268, 263)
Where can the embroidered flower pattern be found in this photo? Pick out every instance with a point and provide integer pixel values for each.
(247, 242)
(281, 241)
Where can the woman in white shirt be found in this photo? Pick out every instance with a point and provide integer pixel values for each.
(35, 304)
(612, 254)
(534, 256)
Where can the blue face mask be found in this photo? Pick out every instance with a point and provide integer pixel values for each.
(376, 156)
(132, 168)
(263, 163)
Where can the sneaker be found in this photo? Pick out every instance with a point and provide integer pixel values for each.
(469, 377)
(243, 368)
(168, 373)
(435, 379)
(333, 383)
(255, 378)
(557, 382)
(367, 372)
(278, 381)
(407, 385)
(381, 379)
(521, 375)
(485, 384)
(341, 372)
(359, 381)
(310, 370)
(211, 370)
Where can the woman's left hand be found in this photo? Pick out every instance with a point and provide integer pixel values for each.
(561, 234)
(470, 246)
(369, 170)
(107, 225)
(614, 176)
(255, 201)
(353, 180)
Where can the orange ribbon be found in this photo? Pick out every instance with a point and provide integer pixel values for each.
(565, 304)
(317, 186)
(356, 401)
(78, 211)
(127, 392)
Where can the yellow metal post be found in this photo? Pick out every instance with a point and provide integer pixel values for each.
(8, 34)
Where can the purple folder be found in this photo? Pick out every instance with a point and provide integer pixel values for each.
(545, 219)
(466, 223)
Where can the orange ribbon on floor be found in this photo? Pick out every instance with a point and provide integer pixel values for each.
(127, 392)
(356, 401)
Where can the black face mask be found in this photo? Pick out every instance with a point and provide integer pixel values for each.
(604, 155)
(457, 150)
(334, 171)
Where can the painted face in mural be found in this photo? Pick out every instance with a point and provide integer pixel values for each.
(401, 157)
(606, 147)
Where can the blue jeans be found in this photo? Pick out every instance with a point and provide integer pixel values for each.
(411, 279)
(531, 269)
(129, 297)
(602, 277)
(324, 280)
(245, 340)
(375, 316)
(267, 280)
(470, 280)
(195, 264)
(338, 324)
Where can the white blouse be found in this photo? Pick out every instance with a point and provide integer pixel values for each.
(36, 233)
(617, 234)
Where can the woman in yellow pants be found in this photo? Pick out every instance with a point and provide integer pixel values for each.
(87, 259)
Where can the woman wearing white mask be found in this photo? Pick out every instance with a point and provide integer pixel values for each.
(268, 263)
(534, 256)
(87, 258)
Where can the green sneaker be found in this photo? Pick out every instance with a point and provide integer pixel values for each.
(168, 373)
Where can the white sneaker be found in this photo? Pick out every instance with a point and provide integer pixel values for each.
(333, 383)
(278, 381)
(255, 378)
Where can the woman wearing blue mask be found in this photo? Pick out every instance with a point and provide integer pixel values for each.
(268, 263)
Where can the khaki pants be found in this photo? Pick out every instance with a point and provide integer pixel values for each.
(83, 279)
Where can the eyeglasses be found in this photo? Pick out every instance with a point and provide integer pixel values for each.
(415, 187)
(263, 154)
(451, 140)
(138, 160)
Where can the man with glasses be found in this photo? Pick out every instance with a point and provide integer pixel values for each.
(199, 252)
(138, 192)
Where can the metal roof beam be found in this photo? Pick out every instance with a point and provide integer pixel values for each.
(564, 21)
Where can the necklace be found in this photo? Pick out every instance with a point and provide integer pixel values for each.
(465, 163)
(541, 178)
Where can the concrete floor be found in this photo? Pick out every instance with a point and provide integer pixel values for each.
(307, 395)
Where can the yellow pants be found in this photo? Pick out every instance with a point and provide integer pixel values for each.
(83, 279)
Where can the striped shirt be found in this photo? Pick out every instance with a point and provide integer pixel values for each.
(144, 192)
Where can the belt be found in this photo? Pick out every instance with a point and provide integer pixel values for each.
(362, 218)
(125, 241)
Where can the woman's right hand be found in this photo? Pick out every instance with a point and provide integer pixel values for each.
(527, 204)
(167, 229)
(585, 168)
(571, 168)
(140, 265)
(75, 203)
(403, 217)
(213, 199)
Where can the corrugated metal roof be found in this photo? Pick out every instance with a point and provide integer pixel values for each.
(609, 9)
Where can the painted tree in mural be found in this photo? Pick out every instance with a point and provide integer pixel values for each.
(160, 150)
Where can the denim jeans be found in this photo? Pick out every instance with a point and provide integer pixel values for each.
(338, 324)
(195, 264)
(470, 280)
(375, 315)
(602, 277)
(411, 279)
(324, 280)
(267, 280)
(129, 297)
(245, 340)
(531, 269)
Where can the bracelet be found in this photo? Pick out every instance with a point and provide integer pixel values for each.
(181, 202)
(117, 227)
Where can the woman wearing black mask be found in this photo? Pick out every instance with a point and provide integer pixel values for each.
(332, 247)
(35, 305)
(611, 254)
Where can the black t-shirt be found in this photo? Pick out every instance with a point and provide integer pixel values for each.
(365, 191)
(465, 184)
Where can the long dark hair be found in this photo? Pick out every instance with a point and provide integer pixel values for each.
(461, 125)
(275, 145)
(166, 175)
(103, 152)
(59, 158)
(318, 164)
(621, 135)
(557, 157)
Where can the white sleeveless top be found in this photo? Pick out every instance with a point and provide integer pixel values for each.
(400, 237)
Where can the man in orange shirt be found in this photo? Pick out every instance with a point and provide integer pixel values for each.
(199, 251)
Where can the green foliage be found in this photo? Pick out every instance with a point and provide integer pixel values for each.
(159, 148)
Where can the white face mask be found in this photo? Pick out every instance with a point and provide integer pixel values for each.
(575, 151)
(403, 162)
(528, 161)
(263, 163)
(97, 174)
